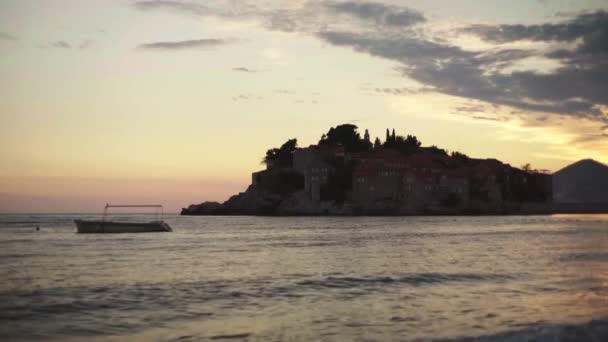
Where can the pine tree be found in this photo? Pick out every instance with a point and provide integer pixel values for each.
(388, 137)
(366, 136)
(393, 136)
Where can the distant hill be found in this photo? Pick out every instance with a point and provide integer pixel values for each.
(584, 182)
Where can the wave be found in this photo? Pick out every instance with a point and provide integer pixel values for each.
(411, 279)
(585, 257)
(103, 310)
(593, 331)
(152, 298)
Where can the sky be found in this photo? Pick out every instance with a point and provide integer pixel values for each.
(176, 102)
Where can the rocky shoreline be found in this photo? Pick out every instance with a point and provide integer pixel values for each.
(257, 202)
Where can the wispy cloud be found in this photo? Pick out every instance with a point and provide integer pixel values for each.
(6, 36)
(244, 69)
(245, 97)
(61, 44)
(85, 44)
(402, 91)
(185, 44)
(285, 91)
(185, 7)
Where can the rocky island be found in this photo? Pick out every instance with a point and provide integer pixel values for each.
(346, 174)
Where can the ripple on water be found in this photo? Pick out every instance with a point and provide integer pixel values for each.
(594, 331)
(416, 279)
(584, 257)
(230, 336)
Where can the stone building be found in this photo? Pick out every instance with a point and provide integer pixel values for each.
(316, 171)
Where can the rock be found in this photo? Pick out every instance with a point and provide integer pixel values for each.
(251, 202)
(206, 208)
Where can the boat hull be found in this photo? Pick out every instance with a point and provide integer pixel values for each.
(110, 227)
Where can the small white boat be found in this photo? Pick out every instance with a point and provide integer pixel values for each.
(105, 226)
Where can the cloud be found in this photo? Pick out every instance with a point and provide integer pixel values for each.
(85, 44)
(184, 7)
(471, 108)
(402, 91)
(243, 69)
(405, 49)
(577, 87)
(602, 137)
(581, 84)
(378, 13)
(487, 118)
(184, 44)
(61, 44)
(589, 26)
(6, 36)
(245, 97)
(285, 91)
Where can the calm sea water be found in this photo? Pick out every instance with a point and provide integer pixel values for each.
(282, 279)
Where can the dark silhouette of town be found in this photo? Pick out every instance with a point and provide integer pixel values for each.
(346, 174)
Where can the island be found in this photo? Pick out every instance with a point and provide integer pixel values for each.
(346, 174)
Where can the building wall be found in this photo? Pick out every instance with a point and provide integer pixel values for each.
(316, 172)
(369, 189)
(302, 157)
(317, 175)
(458, 186)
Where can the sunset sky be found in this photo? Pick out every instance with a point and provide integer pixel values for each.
(175, 102)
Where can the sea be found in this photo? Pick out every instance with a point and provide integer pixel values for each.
(240, 278)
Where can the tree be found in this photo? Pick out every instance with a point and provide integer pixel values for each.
(406, 145)
(388, 137)
(459, 156)
(527, 168)
(412, 141)
(436, 150)
(346, 135)
(366, 135)
(459, 159)
(377, 143)
(393, 135)
(282, 156)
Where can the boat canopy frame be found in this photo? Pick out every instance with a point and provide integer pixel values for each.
(108, 206)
